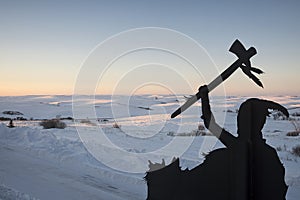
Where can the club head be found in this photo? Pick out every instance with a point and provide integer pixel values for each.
(244, 55)
(240, 51)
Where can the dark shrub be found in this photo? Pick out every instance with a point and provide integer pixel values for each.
(293, 133)
(53, 123)
(115, 125)
(296, 150)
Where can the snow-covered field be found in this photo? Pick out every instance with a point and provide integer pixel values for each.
(90, 159)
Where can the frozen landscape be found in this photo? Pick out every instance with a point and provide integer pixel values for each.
(103, 151)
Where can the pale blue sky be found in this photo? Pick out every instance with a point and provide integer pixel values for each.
(43, 43)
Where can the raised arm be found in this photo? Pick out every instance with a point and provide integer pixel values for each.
(209, 121)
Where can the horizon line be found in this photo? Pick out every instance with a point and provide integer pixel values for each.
(121, 94)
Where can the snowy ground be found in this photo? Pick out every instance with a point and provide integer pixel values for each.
(90, 159)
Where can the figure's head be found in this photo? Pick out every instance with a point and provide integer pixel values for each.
(252, 117)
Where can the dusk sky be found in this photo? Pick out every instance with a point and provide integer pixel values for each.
(44, 43)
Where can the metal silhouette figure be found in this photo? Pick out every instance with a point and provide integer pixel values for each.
(246, 169)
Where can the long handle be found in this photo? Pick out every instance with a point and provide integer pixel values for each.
(217, 81)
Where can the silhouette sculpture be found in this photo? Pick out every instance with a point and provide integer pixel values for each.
(246, 169)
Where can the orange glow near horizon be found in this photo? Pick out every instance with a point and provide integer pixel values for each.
(32, 89)
(243, 90)
(244, 87)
